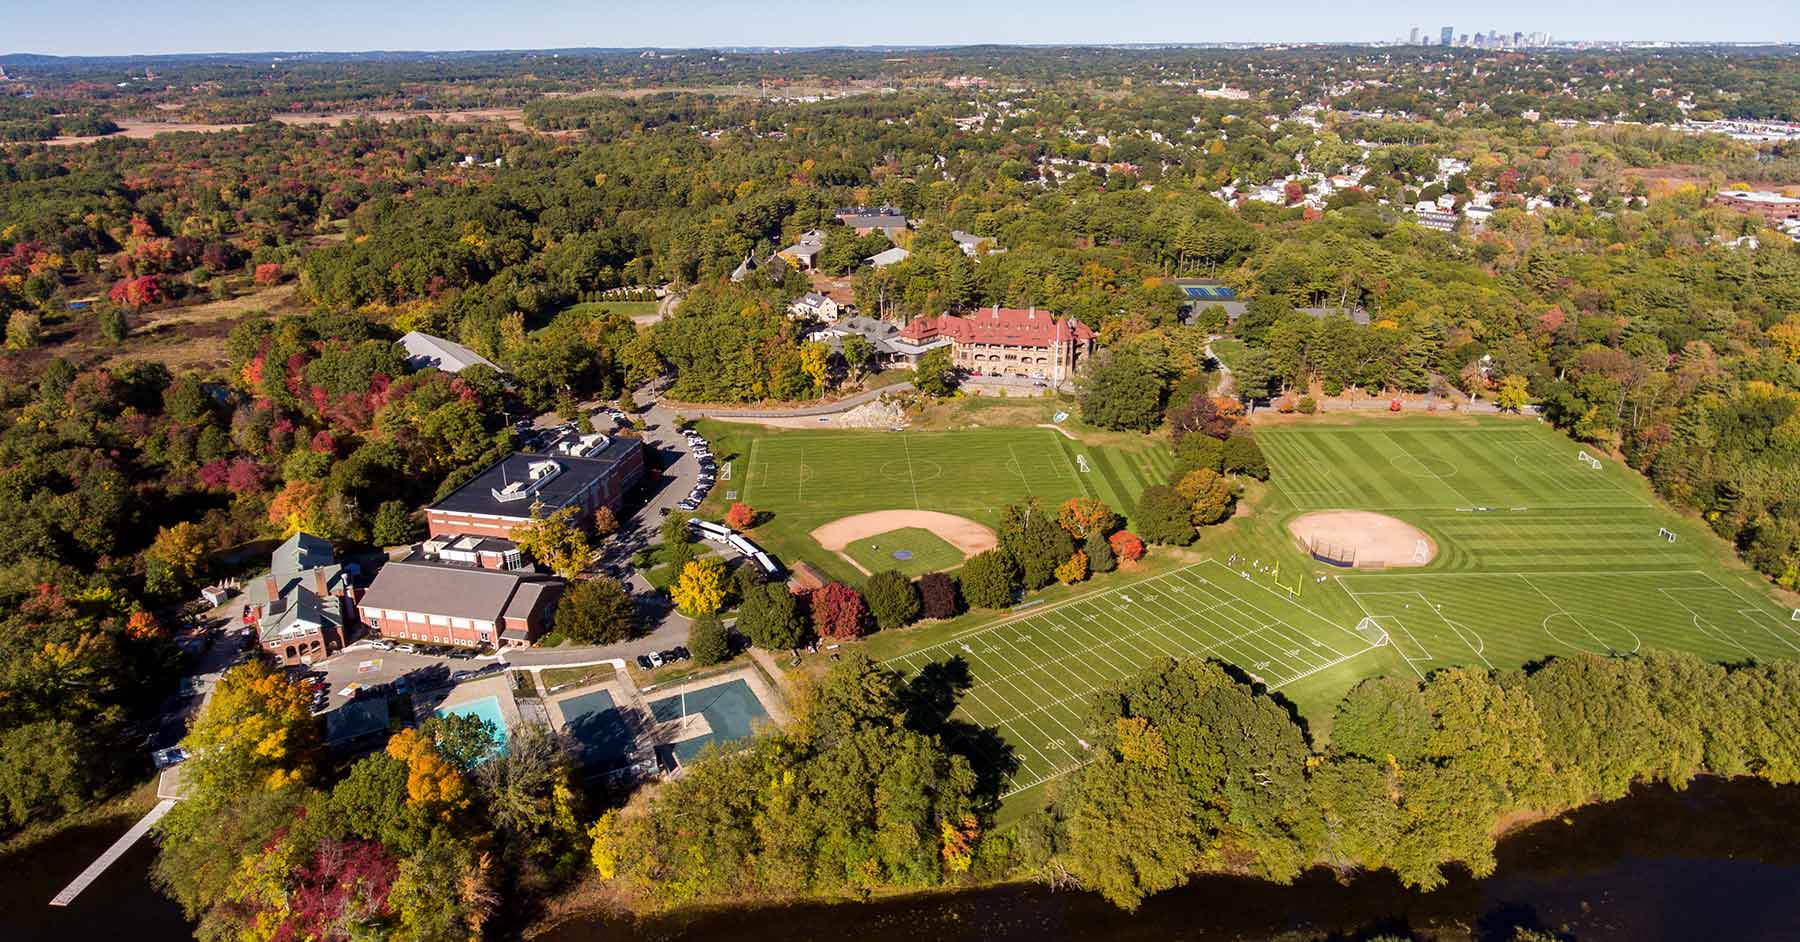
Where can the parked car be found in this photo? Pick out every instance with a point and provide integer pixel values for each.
(383, 645)
(462, 654)
(655, 658)
(681, 652)
(643, 662)
(406, 649)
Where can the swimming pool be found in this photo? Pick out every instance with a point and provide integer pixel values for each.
(487, 708)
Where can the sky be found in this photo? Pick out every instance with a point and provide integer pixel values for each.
(112, 27)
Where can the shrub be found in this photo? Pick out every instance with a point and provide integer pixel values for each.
(1308, 405)
(598, 611)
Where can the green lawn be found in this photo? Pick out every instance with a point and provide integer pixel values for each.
(924, 550)
(1230, 352)
(627, 308)
(1540, 555)
(800, 478)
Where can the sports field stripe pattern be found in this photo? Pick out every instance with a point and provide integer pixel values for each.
(1431, 469)
(975, 474)
(1032, 676)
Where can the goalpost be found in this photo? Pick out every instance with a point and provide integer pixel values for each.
(1588, 460)
(1370, 631)
(1666, 533)
(1081, 463)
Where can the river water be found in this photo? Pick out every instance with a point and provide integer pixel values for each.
(1718, 861)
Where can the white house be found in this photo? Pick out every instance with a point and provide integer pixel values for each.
(814, 306)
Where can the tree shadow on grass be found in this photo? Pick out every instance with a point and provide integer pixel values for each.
(931, 697)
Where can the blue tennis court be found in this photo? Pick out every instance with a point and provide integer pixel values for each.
(595, 722)
(730, 709)
(487, 708)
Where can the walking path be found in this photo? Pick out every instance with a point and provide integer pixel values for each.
(113, 853)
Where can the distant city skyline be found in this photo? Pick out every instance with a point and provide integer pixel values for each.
(160, 27)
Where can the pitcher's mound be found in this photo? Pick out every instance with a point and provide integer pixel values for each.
(1363, 540)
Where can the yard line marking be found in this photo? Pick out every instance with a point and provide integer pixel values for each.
(910, 477)
(1019, 466)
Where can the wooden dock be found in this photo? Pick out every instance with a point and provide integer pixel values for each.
(112, 854)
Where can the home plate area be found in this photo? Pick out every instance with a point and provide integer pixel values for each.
(1029, 678)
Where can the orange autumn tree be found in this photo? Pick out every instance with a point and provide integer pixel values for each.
(433, 783)
(740, 516)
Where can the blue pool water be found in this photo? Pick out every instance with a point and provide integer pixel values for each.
(487, 708)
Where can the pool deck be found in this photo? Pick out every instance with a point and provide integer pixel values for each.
(449, 698)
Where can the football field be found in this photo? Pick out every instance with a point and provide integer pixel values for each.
(1030, 677)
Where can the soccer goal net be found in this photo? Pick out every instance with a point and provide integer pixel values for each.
(1666, 533)
(1588, 460)
(1081, 463)
(1371, 632)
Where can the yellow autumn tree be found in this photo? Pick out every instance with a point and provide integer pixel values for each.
(257, 731)
(700, 589)
(557, 541)
(1073, 570)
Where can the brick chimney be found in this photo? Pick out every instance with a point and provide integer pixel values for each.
(319, 582)
(271, 587)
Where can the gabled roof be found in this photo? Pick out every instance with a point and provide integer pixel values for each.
(890, 257)
(301, 552)
(1027, 327)
(424, 350)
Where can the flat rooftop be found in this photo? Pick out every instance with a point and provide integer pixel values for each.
(553, 479)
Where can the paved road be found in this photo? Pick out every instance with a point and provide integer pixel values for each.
(825, 408)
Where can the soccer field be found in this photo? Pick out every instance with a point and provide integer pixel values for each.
(1030, 677)
(818, 476)
(1410, 465)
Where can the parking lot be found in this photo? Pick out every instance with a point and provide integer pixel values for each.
(367, 668)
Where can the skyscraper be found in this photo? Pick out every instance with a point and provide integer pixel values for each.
(1445, 35)
(1413, 40)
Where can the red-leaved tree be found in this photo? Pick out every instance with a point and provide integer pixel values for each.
(740, 516)
(1126, 546)
(839, 613)
(268, 273)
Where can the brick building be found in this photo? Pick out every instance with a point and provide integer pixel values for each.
(303, 609)
(1009, 341)
(586, 472)
(1771, 206)
(465, 606)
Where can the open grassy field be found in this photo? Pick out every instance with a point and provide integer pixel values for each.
(802, 478)
(1540, 554)
(923, 552)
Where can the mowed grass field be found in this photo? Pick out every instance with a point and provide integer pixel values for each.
(1029, 678)
(925, 552)
(1540, 554)
(826, 475)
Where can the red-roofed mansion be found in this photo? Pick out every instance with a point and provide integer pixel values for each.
(1009, 341)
